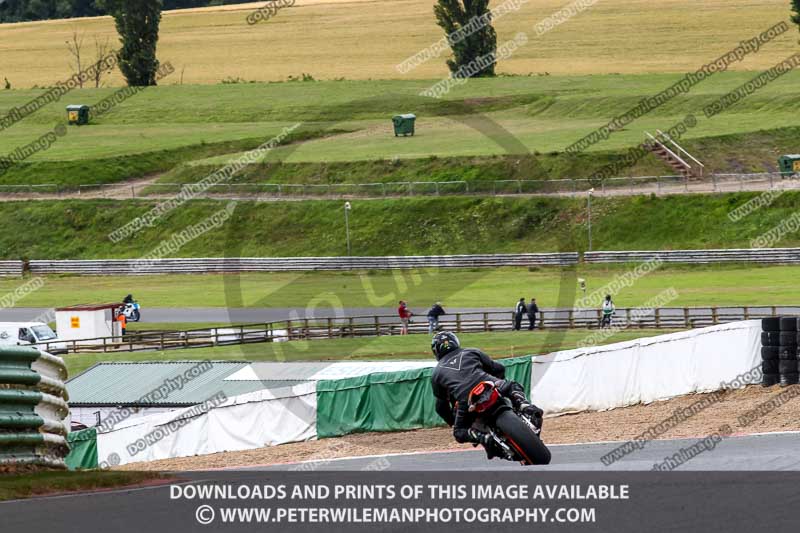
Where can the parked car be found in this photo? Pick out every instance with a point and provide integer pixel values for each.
(27, 333)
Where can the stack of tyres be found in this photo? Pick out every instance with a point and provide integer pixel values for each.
(770, 350)
(787, 351)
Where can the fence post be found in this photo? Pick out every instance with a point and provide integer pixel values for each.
(571, 318)
(714, 314)
(352, 331)
(458, 322)
(161, 344)
(485, 321)
(686, 317)
(330, 327)
(774, 311)
(746, 313)
(288, 330)
(377, 326)
(628, 316)
(658, 318)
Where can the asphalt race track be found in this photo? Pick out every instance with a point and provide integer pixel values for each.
(718, 497)
(776, 451)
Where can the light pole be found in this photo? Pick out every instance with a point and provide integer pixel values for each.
(591, 192)
(347, 208)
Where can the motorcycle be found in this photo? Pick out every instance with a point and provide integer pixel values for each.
(131, 311)
(514, 433)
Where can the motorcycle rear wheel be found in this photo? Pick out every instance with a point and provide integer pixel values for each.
(522, 439)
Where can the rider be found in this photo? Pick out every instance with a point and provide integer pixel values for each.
(458, 372)
(128, 299)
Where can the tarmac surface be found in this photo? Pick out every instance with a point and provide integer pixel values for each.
(776, 451)
(726, 500)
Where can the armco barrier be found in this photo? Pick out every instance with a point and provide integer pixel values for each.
(267, 264)
(755, 255)
(33, 408)
(11, 268)
(389, 401)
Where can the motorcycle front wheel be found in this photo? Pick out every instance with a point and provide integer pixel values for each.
(520, 437)
(136, 315)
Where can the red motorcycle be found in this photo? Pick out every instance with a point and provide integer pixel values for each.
(514, 433)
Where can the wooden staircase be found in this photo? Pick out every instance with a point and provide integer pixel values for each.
(669, 151)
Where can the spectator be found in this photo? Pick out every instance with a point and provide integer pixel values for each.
(405, 317)
(533, 309)
(520, 310)
(433, 316)
(608, 312)
(123, 322)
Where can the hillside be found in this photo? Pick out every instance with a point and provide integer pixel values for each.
(175, 128)
(452, 225)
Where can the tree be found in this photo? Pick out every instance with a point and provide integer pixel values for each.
(796, 12)
(452, 15)
(75, 47)
(102, 49)
(137, 23)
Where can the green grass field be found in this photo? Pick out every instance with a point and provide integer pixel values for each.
(19, 486)
(696, 286)
(186, 132)
(376, 348)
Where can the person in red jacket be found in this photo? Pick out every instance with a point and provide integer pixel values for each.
(405, 316)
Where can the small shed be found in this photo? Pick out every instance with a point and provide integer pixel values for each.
(789, 164)
(88, 321)
(404, 124)
(78, 114)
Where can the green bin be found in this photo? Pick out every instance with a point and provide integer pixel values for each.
(78, 114)
(404, 124)
(789, 164)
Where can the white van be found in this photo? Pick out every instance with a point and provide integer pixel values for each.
(25, 333)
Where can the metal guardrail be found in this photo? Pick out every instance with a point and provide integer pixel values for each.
(382, 325)
(266, 264)
(10, 268)
(746, 255)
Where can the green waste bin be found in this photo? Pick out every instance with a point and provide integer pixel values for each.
(789, 164)
(78, 114)
(404, 124)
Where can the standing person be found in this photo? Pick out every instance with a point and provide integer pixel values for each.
(434, 313)
(532, 310)
(519, 310)
(123, 322)
(608, 312)
(405, 316)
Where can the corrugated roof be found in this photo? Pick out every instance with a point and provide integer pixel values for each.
(130, 384)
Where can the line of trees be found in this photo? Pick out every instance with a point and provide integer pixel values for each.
(26, 10)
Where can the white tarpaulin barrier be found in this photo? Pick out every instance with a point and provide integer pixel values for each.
(645, 370)
(249, 421)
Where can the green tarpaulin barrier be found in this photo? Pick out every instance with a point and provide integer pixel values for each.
(82, 449)
(389, 401)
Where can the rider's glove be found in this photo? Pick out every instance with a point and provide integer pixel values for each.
(479, 437)
(534, 413)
